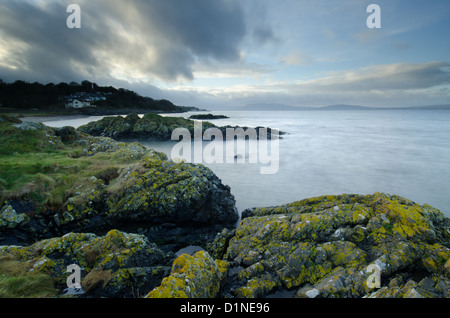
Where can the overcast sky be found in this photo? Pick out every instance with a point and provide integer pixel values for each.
(210, 53)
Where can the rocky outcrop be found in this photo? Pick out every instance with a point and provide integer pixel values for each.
(208, 116)
(117, 210)
(155, 127)
(117, 264)
(341, 246)
(125, 211)
(137, 188)
(196, 276)
(350, 246)
(331, 246)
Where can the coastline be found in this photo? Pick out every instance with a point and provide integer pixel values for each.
(125, 225)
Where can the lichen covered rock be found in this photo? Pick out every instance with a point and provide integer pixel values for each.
(324, 246)
(155, 127)
(150, 126)
(163, 191)
(96, 184)
(9, 217)
(196, 276)
(112, 265)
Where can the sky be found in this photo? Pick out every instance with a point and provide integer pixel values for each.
(226, 53)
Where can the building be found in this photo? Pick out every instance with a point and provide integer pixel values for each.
(75, 103)
(81, 99)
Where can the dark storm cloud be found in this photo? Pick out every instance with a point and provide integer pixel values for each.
(141, 38)
(37, 42)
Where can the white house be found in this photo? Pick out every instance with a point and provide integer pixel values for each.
(75, 103)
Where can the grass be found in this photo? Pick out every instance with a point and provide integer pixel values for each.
(37, 166)
(44, 176)
(34, 168)
(17, 281)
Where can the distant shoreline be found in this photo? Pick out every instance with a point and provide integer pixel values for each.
(85, 112)
(282, 107)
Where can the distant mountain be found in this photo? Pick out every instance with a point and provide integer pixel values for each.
(283, 107)
(268, 107)
(354, 107)
(430, 107)
(345, 107)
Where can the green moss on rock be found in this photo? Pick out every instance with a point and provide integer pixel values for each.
(116, 253)
(196, 276)
(300, 245)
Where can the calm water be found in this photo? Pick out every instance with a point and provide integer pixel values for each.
(334, 152)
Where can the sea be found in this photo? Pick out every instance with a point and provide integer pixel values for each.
(328, 152)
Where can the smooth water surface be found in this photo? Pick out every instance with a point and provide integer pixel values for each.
(333, 152)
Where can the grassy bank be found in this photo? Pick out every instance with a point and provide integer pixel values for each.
(38, 164)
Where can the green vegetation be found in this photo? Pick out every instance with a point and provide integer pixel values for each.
(36, 164)
(149, 126)
(17, 279)
(23, 97)
(61, 179)
(326, 243)
(196, 276)
(39, 270)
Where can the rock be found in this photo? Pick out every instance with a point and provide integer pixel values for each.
(153, 126)
(308, 292)
(9, 119)
(218, 247)
(138, 186)
(167, 192)
(28, 125)
(310, 245)
(67, 133)
(412, 293)
(376, 245)
(196, 276)
(208, 116)
(289, 250)
(113, 265)
(447, 267)
(9, 218)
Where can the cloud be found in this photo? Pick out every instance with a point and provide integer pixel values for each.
(400, 76)
(123, 39)
(297, 58)
(400, 84)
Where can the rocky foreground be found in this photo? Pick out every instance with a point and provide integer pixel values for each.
(124, 224)
(331, 246)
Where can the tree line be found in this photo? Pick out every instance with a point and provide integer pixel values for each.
(25, 95)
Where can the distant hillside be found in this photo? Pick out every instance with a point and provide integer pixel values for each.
(283, 107)
(23, 96)
(437, 107)
(345, 107)
(268, 107)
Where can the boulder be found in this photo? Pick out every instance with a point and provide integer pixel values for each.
(9, 218)
(196, 276)
(117, 264)
(155, 127)
(328, 247)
